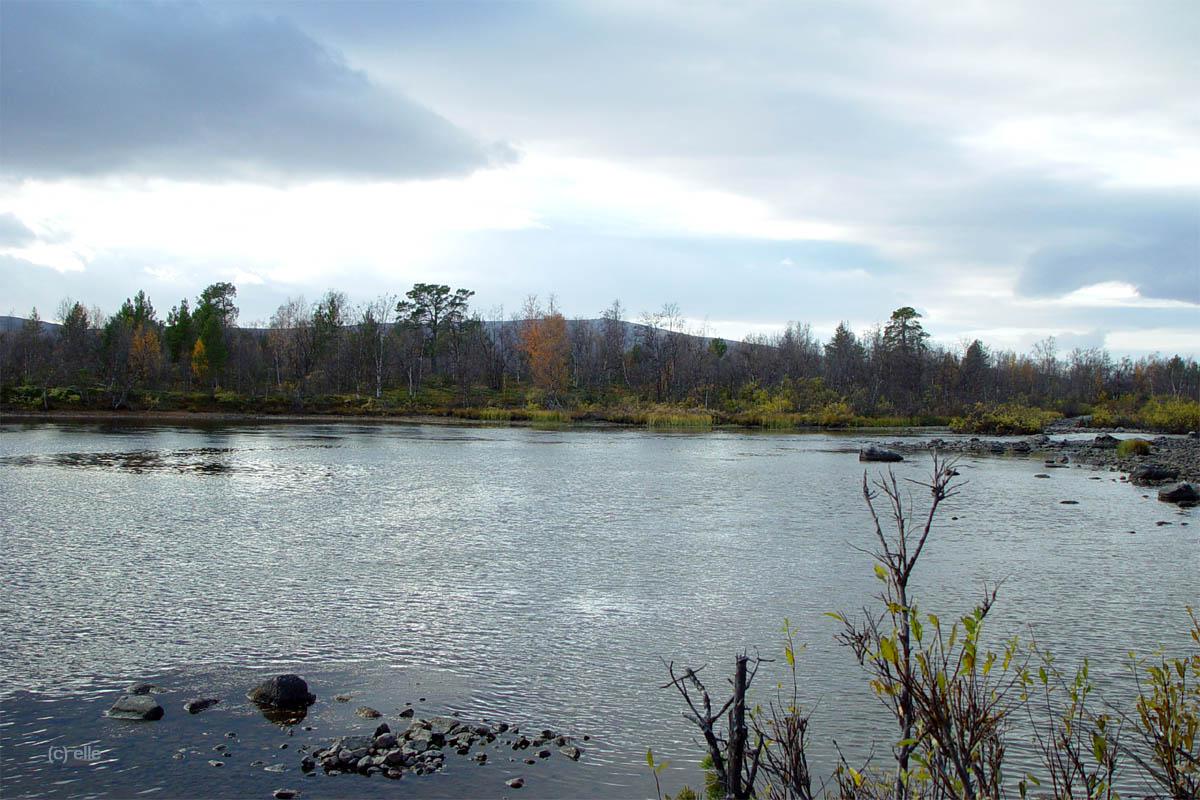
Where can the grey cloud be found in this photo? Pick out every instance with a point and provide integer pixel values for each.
(1152, 243)
(13, 232)
(176, 90)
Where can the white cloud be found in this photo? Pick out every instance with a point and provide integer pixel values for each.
(1138, 153)
(1153, 340)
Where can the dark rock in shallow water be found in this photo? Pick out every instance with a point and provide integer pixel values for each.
(366, 712)
(198, 704)
(282, 691)
(873, 453)
(136, 706)
(1179, 493)
(1150, 474)
(142, 687)
(1106, 441)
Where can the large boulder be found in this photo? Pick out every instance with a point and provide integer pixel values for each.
(1179, 493)
(282, 691)
(1151, 474)
(136, 706)
(873, 453)
(1106, 441)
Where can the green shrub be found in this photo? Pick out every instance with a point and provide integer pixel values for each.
(1103, 417)
(1169, 414)
(1006, 418)
(1138, 447)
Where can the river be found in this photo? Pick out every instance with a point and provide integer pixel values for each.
(536, 576)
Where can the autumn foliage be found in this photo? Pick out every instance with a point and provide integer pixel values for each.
(547, 349)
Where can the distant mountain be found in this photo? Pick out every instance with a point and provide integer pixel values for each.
(15, 324)
(634, 331)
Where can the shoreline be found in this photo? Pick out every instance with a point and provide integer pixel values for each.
(1178, 452)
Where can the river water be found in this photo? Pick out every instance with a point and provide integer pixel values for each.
(536, 576)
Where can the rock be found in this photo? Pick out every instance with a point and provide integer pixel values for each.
(385, 741)
(408, 712)
(216, 763)
(366, 712)
(275, 768)
(1106, 441)
(136, 706)
(198, 704)
(1150, 474)
(543, 753)
(282, 691)
(1041, 475)
(382, 729)
(444, 725)
(571, 752)
(873, 453)
(142, 687)
(307, 764)
(1179, 493)
(480, 757)
(284, 794)
(1068, 502)
(341, 698)
(353, 743)
(515, 783)
(230, 734)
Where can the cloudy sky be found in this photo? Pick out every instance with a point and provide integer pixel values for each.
(1013, 170)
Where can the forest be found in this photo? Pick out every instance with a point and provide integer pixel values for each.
(428, 352)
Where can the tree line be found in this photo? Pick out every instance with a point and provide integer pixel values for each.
(429, 348)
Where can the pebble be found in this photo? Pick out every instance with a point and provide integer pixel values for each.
(515, 783)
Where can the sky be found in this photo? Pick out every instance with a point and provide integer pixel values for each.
(1013, 171)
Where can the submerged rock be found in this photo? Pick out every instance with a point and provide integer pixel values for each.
(198, 704)
(141, 687)
(366, 712)
(136, 706)
(282, 691)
